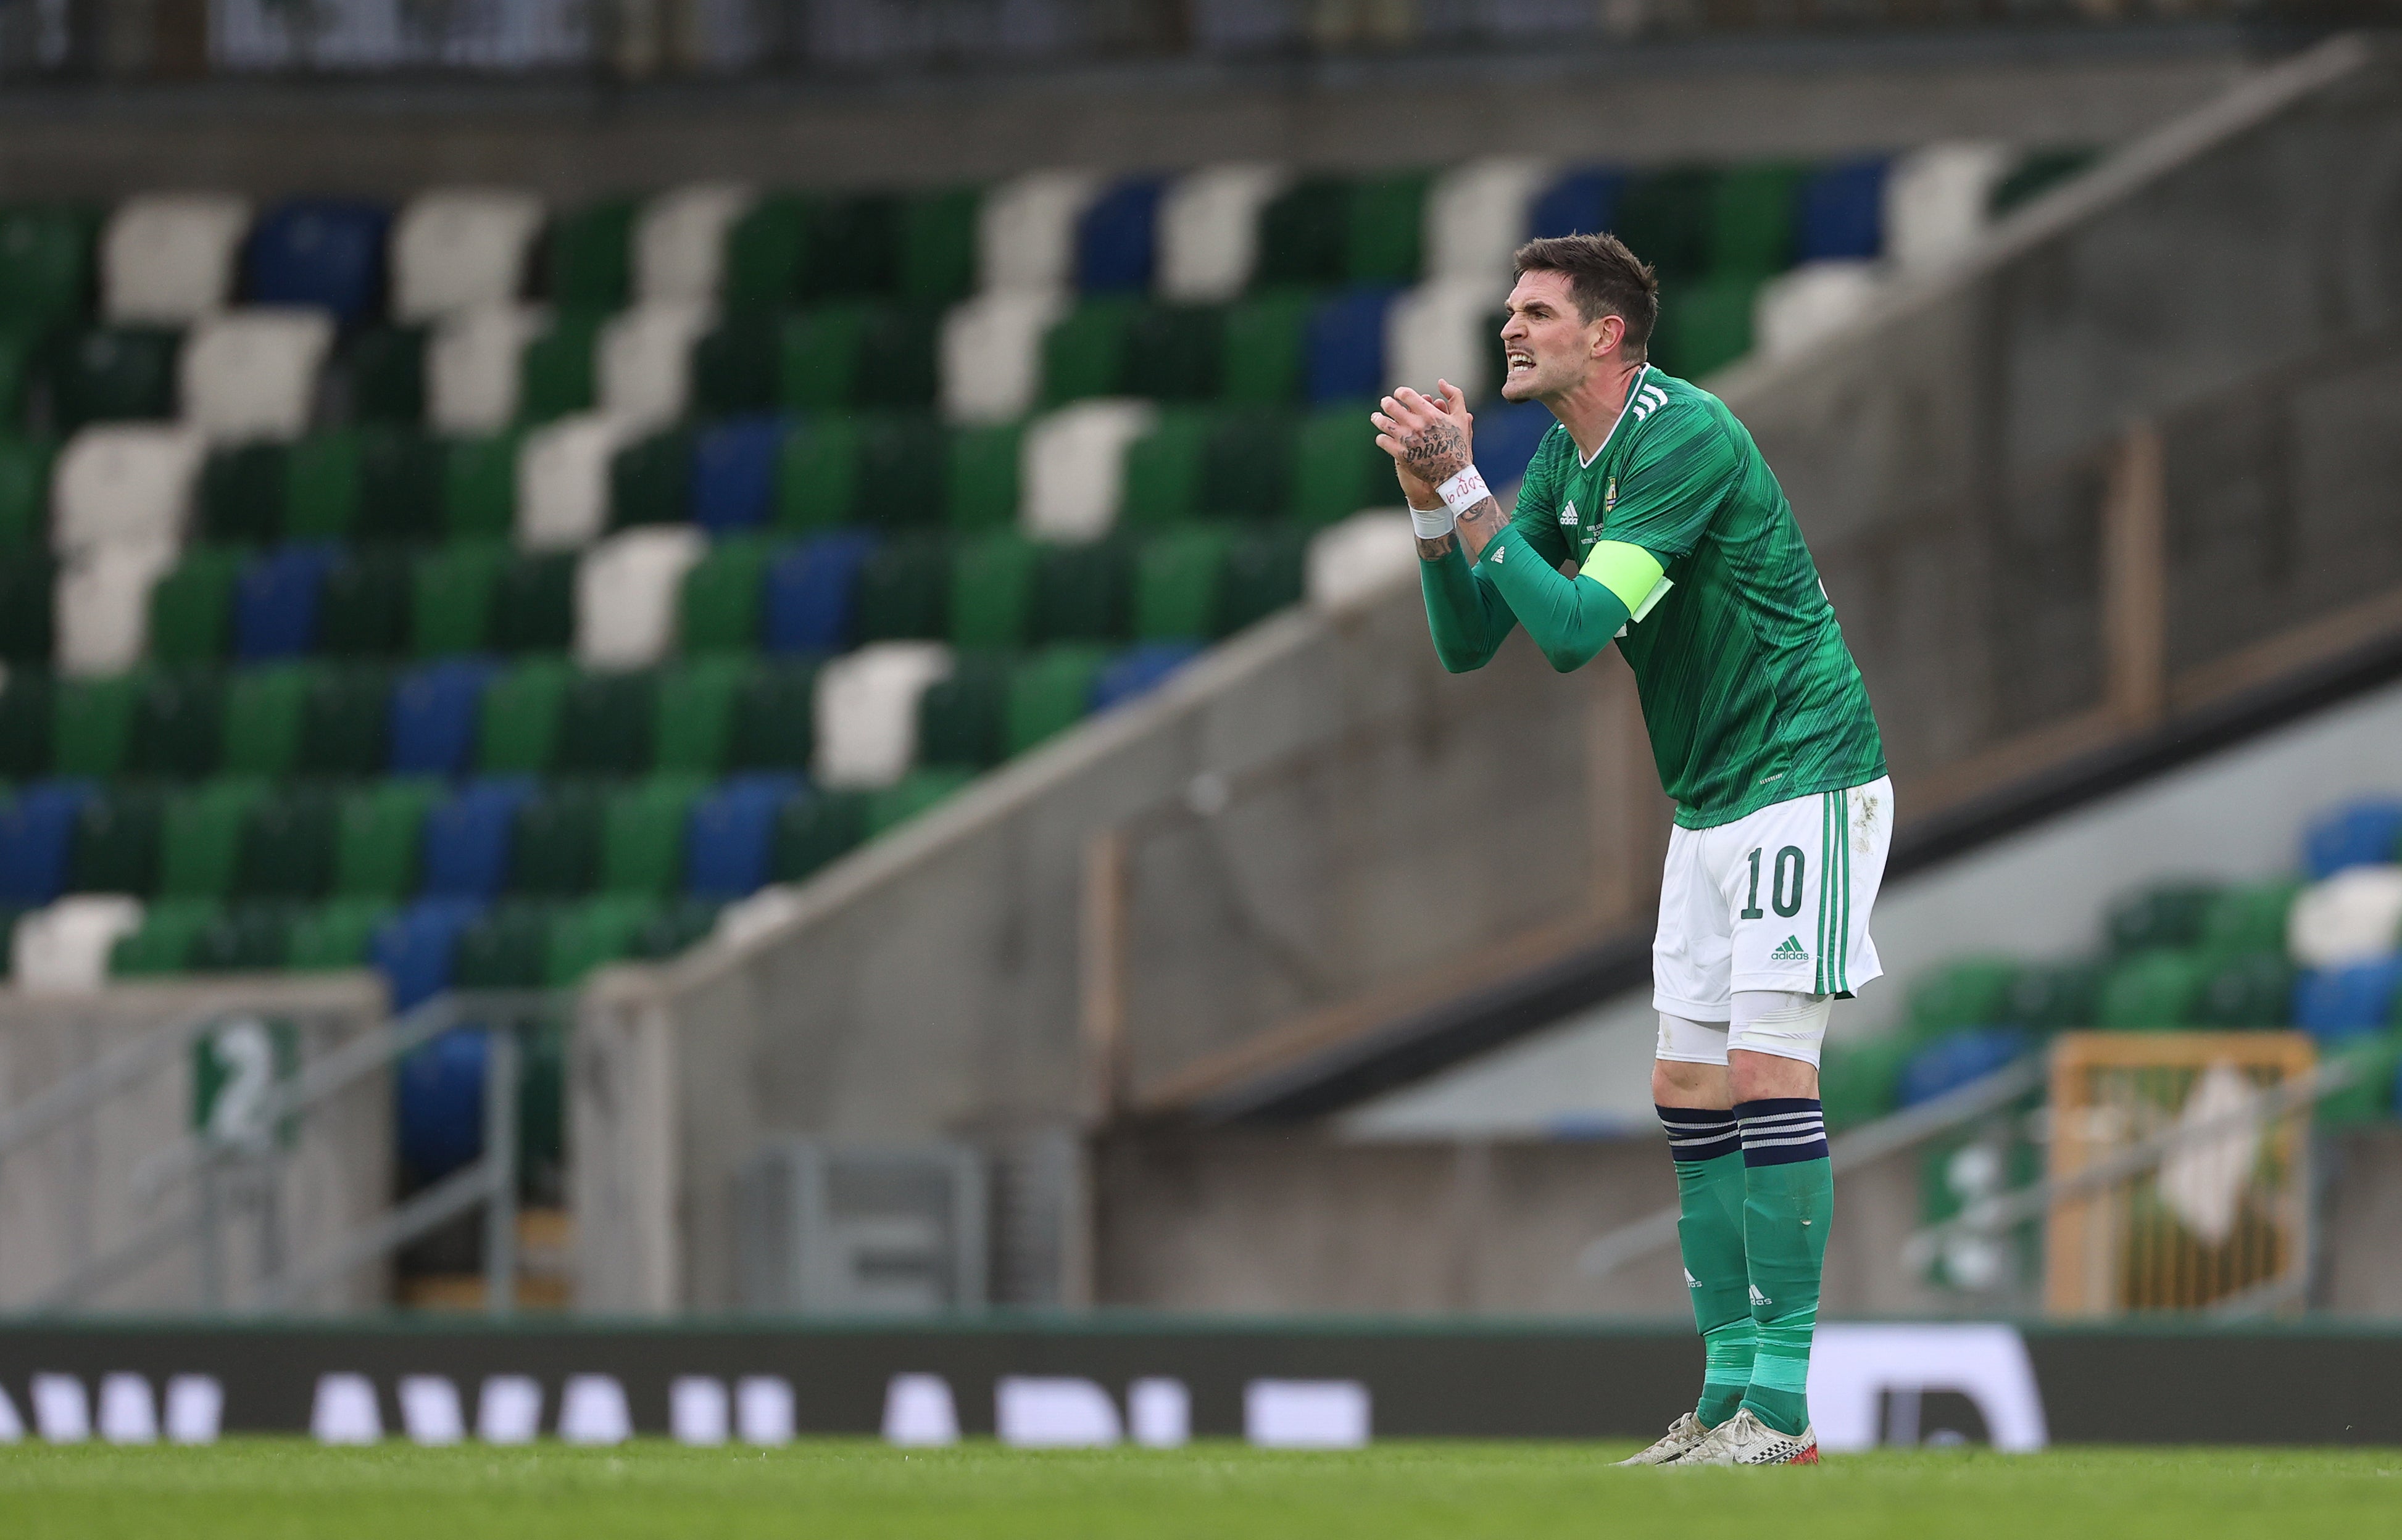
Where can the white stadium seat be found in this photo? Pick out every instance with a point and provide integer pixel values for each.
(63, 948)
(1476, 218)
(1072, 468)
(1363, 556)
(992, 353)
(642, 366)
(1446, 329)
(2354, 916)
(1805, 305)
(124, 481)
(252, 372)
(102, 605)
(472, 364)
(1934, 199)
(563, 480)
(627, 589)
(457, 247)
(1026, 229)
(168, 258)
(1209, 230)
(680, 241)
(866, 710)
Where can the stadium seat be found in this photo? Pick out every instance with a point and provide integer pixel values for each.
(438, 1104)
(45, 264)
(1116, 237)
(859, 356)
(643, 362)
(534, 603)
(589, 935)
(435, 711)
(450, 590)
(29, 712)
(1084, 353)
(327, 937)
(264, 708)
(363, 608)
(1162, 477)
(1751, 220)
(1936, 199)
(901, 479)
(168, 258)
(518, 720)
(200, 846)
(1840, 212)
(345, 721)
(1209, 230)
(1446, 329)
(937, 241)
(693, 724)
(733, 473)
(287, 845)
(252, 372)
(627, 593)
(730, 836)
(1138, 670)
(379, 838)
(2250, 989)
(2157, 987)
(466, 838)
(242, 493)
(721, 597)
(1384, 228)
(275, 602)
(557, 367)
(24, 492)
(1666, 218)
(1049, 691)
(903, 591)
(808, 593)
(650, 480)
(962, 718)
(605, 724)
(679, 241)
(737, 365)
(67, 946)
(475, 368)
(992, 591)
(2055, 997)
(1074, 468)
(2362, 834)
(980, 489)
(178, 724)
(1345, 346)
(1508, 434)
(1476, 214)
(191, 606)
(416, 948)
(1958, 1059)
(1581, 202)
(124, 482)
(819, 480)
(1179, 584)
(1350, 562)
(164, 941)
(1860, 1081)
(562, 492)
(2353, 916)
(890, 806)
(94, 726)
(103, 602)
(815, 829)
(1800, 308)
(2170, 914)
(2251, 918)
(866, 712)
(555, 842)
(1026, 229)
(37, 828)
(321, 488)
(2333, 1003)
(453, 248)
(588, 259)
(28, 588)
(1337, 468)
(319, 252)
(1705, 325)
(1968, 991)
(765, 248)
(1265, 572)
(115, 841)
(1304, 235)
(774, 719)
(992, 353)
(1082, 592)
(643, 836)
(379, 374)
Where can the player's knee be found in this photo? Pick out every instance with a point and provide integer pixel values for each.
(1679, 1084)
(1774, 1043)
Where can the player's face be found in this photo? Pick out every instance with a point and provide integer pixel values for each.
(1549, 347)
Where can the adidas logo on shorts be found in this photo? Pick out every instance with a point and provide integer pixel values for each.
(1793, 950)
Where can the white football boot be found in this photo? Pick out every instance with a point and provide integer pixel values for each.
(1685, 1434)
(1744, 1439)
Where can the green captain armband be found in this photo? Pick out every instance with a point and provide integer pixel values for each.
(1631, 574)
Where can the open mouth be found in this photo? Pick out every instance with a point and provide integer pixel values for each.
(1521, 362)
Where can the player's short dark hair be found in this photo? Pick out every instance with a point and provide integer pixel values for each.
(1605, 276)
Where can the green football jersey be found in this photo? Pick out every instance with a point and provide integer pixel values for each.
(1749, 693)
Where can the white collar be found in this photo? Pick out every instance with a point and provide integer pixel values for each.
(1586, 465)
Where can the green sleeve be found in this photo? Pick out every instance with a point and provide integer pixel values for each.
(1570, 618)
(1465, 613)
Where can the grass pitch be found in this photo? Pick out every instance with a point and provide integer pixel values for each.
(264, 1488)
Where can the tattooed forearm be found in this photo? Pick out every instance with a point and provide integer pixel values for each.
(1435, 549)
(1435, 454)
(1478, 525)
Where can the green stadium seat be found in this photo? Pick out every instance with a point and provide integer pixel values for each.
(1050, 692)
(992, 591)
(117, 838)
(721, 596)
(379, 831)
(962, 719)
(323, 479)
(775, 717)
(1966, 992)
(2169, 916)
(642, 835)
(508, 948)
(28, 595)
(363, 611)
(1085, 351)
(93, 727)
(1163, 472)
(384, 369)
(1386, 222)
(904, 590)
(345, 721)
(120, 372)
(903, 484)
(1175, 353)
(19, 356)
(2249, 919)
(589, 935)
(518, 719)
(480, 486)
(938, 245)
(1304, 235)
(1859, 1083)
(178, 724)
(1705, 325)
(589, 261)
(555, 843)
(815, 830)
(335, 935)
(1337, 469)
(890, 806)
(818, 480)
(735, 365)
(45, 264)
(1266, 571)
(650, 480)
(404, 484)
(693, 729)
(1751, 220)
(2248, 989)
(534, 603)
(263, 706)
(451, 598)
(675, 926)
(1265, 349)
(24, 492)
(29, 714)
(1247, 462)
(199, 849)
(763, 253)
(1666, 218)
(1081, 592)
(853, 247)
(859, 356)
(2056, 997)
(170, 933)
(1179, 584)
(605, 724)
(556, 373)
(2156, 988)
(287, 845)
(191, 607)
(242, 492)
(980, 480)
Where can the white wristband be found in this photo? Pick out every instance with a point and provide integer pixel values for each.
(1433, 523)
(1463, 491)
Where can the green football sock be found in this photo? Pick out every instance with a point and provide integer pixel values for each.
(1788, 1201)
(1710, 1189)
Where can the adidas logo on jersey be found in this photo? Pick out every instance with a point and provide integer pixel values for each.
(1568, 515)
(1500, 554)
(1793, 950)
(1691, 1281)
(1760, 1298)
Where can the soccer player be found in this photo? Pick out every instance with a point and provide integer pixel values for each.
(1649, 517)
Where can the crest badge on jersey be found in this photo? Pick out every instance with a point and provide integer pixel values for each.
(1609, 497)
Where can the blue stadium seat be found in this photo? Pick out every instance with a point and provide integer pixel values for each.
(2360, 834)
(1841, 213)
(37, 835)
(731, 835)
(467, 838)
(1959, 1059)
(326, 252)
(275, 601)
(415, 948)
(1116, 238)
(1345, 346)
(1584, 201)
(733, 473)
(1507, 434)
(434, 715)
(1138, 670)
(2344, 1002)
(809, 593)
(440, 1104)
